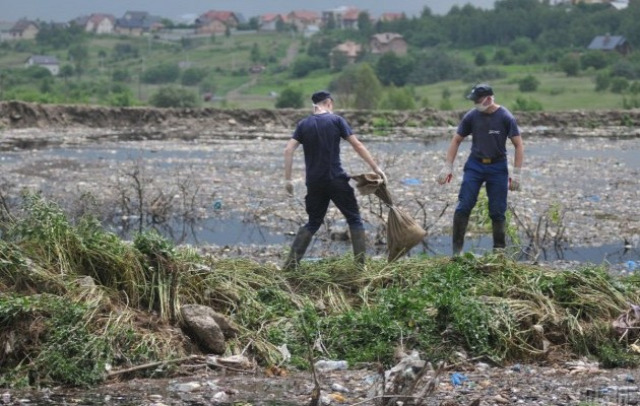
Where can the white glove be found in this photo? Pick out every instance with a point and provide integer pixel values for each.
(514, 180)
(382, 175)
(288, 186)
(446, 173)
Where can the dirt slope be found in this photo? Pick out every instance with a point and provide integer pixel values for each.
(27, 115)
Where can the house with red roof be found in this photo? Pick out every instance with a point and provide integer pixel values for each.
(302, 19)
(271, 21)
(98, 23)
(215, 22)
(341, 17)
(386, 17)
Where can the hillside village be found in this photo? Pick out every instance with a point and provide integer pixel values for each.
(226, 22)
(216, 22)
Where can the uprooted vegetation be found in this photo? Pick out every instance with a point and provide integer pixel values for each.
(78, 301)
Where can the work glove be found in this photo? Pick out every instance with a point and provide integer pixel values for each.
(446, 173)
(288, 186)
(382, 175)
(514, 180)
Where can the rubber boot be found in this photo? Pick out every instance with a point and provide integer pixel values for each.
(298, 248)
(460, 222)
(359, 242)
(499, 239)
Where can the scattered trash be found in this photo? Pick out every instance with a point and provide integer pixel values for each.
(457, 379)
(411, 181)
(217, 205)
(336, 387)
(631, 265)
(330, 365)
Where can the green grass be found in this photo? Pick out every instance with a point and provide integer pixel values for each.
(488, 307)
(229, 58)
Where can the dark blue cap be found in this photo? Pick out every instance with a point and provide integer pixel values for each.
(320, 96)
(480, 91)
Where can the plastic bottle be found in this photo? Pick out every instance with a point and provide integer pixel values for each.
(330, 365)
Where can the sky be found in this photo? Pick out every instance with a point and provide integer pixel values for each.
(65, 10)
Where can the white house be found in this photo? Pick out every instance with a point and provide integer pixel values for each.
(48, 62)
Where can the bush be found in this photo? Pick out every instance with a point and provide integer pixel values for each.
(603, 80)
(292, 98)
(161, 74)
(619, 85)
(570, 65)
(528, 84)
(595, 60)
(398, 99)
(305, 65)
(193, 76)
(171, 96)
(523, 104)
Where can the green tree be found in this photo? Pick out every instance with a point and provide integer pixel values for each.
(528, 83)
(393, 69)
(193, 76)
(570, 64)
(163, 73)
(368, 88)
(398, 99)
(171, 96)
(603, 80)
(79, 56)
(305, 65)
(365, 27)
(66, 71)
(290, 98)
(480, 59)
(256, 54)
(593, 59)
(619, 84)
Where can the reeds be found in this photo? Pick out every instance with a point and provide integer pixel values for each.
(119, 302)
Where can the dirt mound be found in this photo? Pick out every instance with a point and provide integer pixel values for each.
(15, 114)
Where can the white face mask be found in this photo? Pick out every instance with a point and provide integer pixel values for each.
(486, 103)
(318, 109)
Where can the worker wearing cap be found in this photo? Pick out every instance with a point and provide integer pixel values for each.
(320, 134)
(490, 125)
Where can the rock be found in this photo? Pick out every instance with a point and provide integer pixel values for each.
(200, 323)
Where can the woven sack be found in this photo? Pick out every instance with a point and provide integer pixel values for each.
(403, 232)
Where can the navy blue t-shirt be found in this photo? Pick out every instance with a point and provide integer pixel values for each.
(320, 136)
(489, 132)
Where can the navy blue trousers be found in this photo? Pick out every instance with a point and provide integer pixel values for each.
(496, 178)
(338, 191)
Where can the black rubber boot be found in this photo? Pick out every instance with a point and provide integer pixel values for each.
(359, 242)
(499, 238)
(460, 222)
(298, 248)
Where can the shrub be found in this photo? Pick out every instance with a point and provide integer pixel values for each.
(289, 97)
(528, 84)
(523, 104)
(398, 99)
(603, 80)
(570, 65)
(193, 76)
(619, 85)
(171, 96)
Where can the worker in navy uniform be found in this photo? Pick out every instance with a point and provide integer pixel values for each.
(490, 125)
(320, 134)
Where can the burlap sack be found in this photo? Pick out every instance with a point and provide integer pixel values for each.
(403, 233)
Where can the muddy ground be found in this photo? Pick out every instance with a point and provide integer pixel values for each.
(235, 157)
